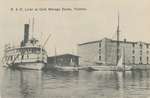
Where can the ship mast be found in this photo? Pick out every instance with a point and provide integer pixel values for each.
(118, 34)
(32, 27)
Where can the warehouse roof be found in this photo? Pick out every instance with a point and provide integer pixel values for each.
(129, 42)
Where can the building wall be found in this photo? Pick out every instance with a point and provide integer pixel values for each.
(63, 60)
(142, 53)
(88, 53)
(126, 50)
(105, 51)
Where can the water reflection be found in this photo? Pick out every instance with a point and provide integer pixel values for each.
(83, 84)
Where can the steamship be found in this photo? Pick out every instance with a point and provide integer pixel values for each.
(28, 55)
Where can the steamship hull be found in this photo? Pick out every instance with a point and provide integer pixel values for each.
(33, 61)
(28, 65)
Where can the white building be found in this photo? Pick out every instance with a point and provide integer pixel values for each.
(105, 52)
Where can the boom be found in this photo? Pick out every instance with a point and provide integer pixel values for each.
(46, 40)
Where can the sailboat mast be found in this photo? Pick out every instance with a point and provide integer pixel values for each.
(118, 44)
(124, 57)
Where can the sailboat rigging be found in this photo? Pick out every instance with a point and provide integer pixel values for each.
(120, 57)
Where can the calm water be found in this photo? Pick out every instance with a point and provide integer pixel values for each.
(54, 84)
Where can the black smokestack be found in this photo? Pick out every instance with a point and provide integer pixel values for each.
(26, 33)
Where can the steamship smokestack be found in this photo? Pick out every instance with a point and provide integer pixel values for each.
(26, 33)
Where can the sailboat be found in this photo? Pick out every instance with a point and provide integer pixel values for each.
(121, 66)
(120, 61)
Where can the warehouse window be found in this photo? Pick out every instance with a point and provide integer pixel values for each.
(140, 52)
(100, 58)
(133, 45)
(133, 51)
(22, 57)
(99, 44)
(140, 60)
(133, 59)
(11, 58)
(99, 51)
(147, 46)
(147, 60)
(141, 46)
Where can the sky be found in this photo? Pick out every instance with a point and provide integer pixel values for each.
(69, 28)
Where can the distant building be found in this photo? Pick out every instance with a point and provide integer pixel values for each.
(105, 52)
(63, 60)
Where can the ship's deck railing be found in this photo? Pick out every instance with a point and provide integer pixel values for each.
(28, 49)
(9, 47)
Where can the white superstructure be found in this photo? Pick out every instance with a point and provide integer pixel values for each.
(29, 55)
